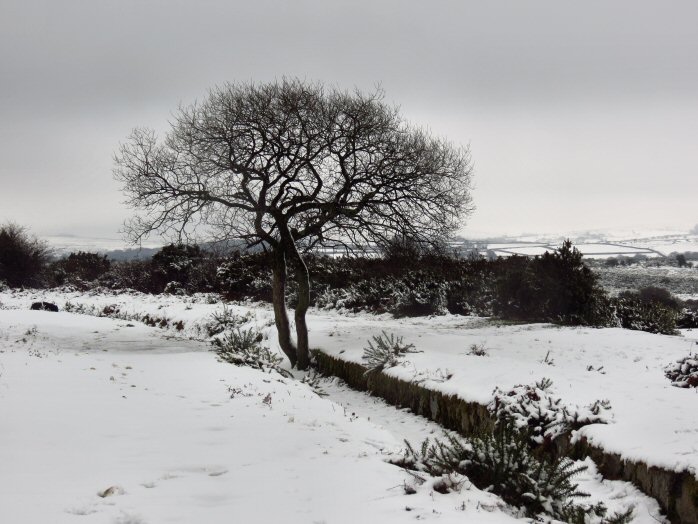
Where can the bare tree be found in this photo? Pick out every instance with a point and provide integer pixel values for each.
(291, 166)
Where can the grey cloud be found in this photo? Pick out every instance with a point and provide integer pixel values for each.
(563, 88)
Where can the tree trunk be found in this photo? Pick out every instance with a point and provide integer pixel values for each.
(279, 300)
(288, 245)
(303, 280)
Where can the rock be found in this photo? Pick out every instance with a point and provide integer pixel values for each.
(44, 306)
(111, 491)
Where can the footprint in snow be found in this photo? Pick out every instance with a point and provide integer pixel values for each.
(81, 510)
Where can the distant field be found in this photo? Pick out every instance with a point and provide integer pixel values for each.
(591, 246)
(680, 281)
(595, 247)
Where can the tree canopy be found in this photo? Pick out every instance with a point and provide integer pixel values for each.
(291, 165)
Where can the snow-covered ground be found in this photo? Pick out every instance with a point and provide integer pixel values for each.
(92, 404)
(596, 245)
(652, 422)
(103, 421)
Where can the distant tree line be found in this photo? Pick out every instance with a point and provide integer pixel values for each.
(406, 280)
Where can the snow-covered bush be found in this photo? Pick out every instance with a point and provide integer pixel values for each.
(535, 409)
(420, 295)
(684, 372)
(653, 317)
(688, 318)
(413, 294)
(132, 274)
(243, 276)
(242, 347)
(386, 353)
(79, 269)
(174, 262)
(478, 350)
(225, 320)
(503, 462)
(174, 288)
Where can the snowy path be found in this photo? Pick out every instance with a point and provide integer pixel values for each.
(88, 404)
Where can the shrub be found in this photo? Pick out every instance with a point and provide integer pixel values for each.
(86, 266)
(225, 320)
(684, 372)
(132, 274)
(22, 257)
(657, 295)
(242, 347)
(634, 312)
(387, 352)
(401, 250)
(243, 276)
(174, 263)
(478, 350)
(420, 294)
(503, 462)
(77, 269)
(554, 287)
(688, 318)
(540, 414)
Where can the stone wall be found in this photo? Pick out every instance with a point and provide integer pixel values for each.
(676, 492)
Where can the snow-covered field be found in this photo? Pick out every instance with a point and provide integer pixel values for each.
(150, 415)
(598, 245)
(652, 421)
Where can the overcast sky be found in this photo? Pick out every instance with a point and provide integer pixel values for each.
(579, 115)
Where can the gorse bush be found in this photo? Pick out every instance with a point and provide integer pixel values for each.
(502, 461)
(242, 347)
(535, 410)
(408, 281)
(187, 266)
(225, 320)
(684, 372)
(78, 269)
(22, 257)
(387, 352)
(554, 287)
(640, 313)
(243, 276)
(688, 318)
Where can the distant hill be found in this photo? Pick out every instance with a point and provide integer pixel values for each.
(118, 250)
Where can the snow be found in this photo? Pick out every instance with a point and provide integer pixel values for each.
(88, 404)
(653, 421)
(601, 245)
